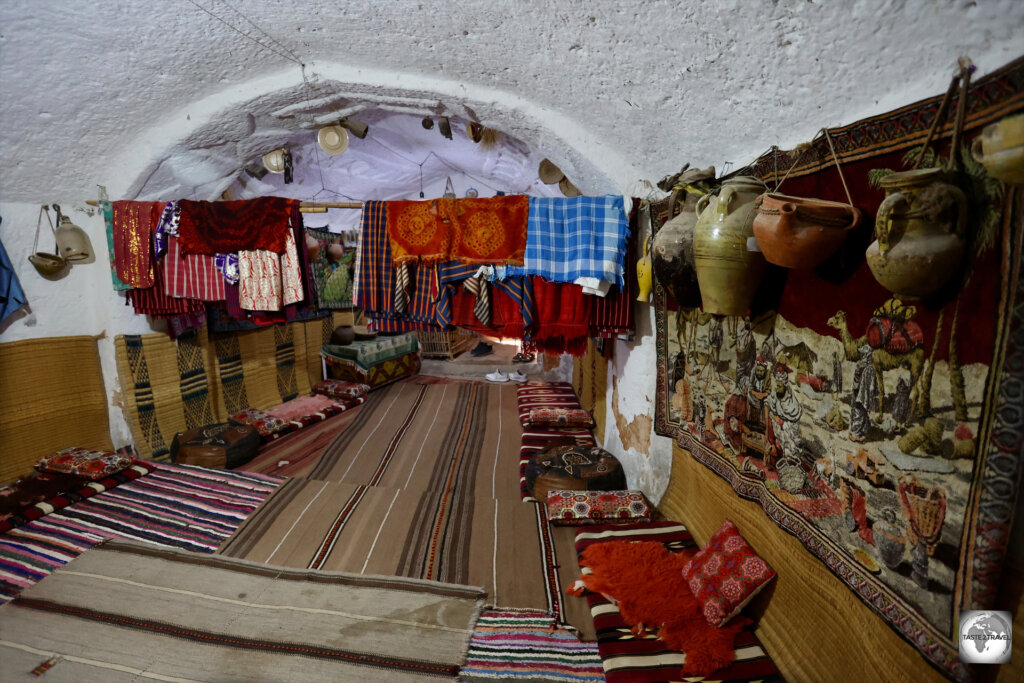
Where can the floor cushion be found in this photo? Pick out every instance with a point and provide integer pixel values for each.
(565, 464)
(223, 445)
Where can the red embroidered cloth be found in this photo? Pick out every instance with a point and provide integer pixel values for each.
(227, 227)
(485, 231)
(132, 226)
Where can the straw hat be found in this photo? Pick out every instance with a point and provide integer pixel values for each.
(567, 188)
(333, 139)
(549, 173)
(273, 160)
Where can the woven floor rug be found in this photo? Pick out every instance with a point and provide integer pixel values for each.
(631, 659)
(127, 608)
(422, 482)
(175, 506)
(519, 645)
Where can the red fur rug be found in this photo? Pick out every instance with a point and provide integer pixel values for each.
(646, 581)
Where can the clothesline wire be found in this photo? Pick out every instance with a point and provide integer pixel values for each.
(427, 158)
(272, 39)
(243, 33)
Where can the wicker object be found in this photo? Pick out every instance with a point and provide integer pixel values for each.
(445, 344)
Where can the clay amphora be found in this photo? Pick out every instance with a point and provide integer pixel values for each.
(1000, 149)
(729, 268)
(672, 252)
(795, 232)
(919, 227)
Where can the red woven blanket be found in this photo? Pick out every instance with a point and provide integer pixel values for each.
(227, 227)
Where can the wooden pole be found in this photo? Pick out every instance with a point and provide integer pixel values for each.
(304, 207)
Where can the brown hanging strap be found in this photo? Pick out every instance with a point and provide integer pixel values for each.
(39, 226)
(962, 79)
(835, 158)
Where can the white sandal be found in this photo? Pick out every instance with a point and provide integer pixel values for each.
(496, 376)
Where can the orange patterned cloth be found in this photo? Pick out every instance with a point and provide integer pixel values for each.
(132, 225)
(477, 231)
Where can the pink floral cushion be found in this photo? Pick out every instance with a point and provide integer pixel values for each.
(82, 462)
(726, 574)
(559, 417)
(265, 424)
(597, 507)
(336, 388)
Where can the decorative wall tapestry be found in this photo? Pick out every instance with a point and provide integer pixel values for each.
(886, 435)
(331, 264)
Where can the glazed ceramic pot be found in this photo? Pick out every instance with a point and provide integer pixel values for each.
(794, 232)
(729, 268)
(1000, 149)
(919, 227)
(643, 273)
(672, 252)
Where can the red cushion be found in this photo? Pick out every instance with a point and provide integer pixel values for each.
(337, 388)
(559, 417)
(726, 574)
(83, 462)
(597, 507)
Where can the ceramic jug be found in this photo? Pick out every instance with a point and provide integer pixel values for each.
(643, 273)
(798, 232)
(729, 267)
(920, 227)
(672, 254)
(1000, 149)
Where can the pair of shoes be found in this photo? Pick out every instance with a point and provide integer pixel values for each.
(481, 349)
(522, 358)
(498, 376)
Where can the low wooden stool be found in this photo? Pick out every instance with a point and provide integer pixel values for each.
(565, 465)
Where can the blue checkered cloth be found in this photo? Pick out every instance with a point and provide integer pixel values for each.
(572, 237)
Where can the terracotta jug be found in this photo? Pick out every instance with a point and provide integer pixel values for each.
(643, 274)
(795, 232)
(919, 227)
(729, 268)
(672, 252)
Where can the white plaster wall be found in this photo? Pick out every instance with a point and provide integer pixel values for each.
(83, 302)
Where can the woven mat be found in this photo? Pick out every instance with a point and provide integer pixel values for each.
(166, 388)
(420, 482)
(192, 617)
(52, 398)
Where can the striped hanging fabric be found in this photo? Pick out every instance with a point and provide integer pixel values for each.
(477, 286)
(402, 283)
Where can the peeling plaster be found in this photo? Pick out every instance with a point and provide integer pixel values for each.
(635, 434)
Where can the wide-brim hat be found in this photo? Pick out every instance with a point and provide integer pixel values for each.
(273, 160)
(333, 139)
(548, 173)
(568, 189)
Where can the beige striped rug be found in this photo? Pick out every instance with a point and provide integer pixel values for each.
(127, 611)
(422, 482)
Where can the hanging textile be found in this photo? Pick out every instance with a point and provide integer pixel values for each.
(228, 227)
(520, 289)
(613, 314)
(403, 287)
(563, 314)
(478, 287)
(133, 225)
(12, 297)
(108, 219)
(475, 231)
(506, 319)
(576, 237)
(330, 264)
(153, 301)
(377, 278)
(194, 276)
(167, 226)
(268, 281)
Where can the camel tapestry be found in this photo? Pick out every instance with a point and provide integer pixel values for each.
(886, 434)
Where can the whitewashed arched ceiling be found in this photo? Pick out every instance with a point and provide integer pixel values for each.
(155, 98)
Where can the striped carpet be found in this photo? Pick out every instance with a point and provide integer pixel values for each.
(519, 645)
(176, 506)
(422, 482)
